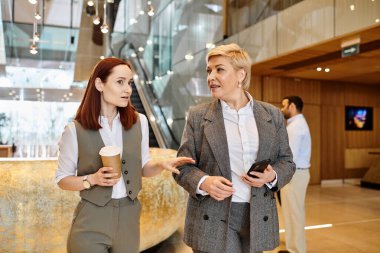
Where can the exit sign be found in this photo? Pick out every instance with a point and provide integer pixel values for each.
(350, 50)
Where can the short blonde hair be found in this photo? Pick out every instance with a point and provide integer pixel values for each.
(238, 58)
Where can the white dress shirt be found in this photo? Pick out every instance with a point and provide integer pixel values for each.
(243, 145)
(68, 149)
(299, 140)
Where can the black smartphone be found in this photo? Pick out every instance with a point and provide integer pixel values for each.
(259, 167)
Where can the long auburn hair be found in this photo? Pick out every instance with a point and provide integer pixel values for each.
(89, 110)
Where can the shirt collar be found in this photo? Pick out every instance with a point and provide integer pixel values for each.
(290, 120)
(225, 106)
(104, 119)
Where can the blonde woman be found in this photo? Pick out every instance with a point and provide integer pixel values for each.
(229, 211)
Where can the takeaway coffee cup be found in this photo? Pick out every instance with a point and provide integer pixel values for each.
(110, 156)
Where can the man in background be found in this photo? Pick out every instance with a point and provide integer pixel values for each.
(293, 194)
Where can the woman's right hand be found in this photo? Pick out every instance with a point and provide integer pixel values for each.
(218, 187)
(104, 177)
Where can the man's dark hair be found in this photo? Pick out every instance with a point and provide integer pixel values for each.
(297, 101)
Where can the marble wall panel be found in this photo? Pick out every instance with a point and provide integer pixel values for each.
(35, 215)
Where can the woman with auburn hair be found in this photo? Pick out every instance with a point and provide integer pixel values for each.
(229, 209)
(107, 217)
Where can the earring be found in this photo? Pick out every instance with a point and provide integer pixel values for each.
(239, 85)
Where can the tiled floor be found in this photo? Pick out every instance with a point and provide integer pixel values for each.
(354, 213)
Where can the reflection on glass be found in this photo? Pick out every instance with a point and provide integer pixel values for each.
(34, 127)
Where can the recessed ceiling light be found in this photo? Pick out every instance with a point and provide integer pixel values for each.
(319, 69)
(189, 57)
(327, 70)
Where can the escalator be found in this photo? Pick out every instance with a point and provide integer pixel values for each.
(136, 102)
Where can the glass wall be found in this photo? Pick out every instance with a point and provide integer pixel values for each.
(34, 128)
(170, 47)
(181, 34)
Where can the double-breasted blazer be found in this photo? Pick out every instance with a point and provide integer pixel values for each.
(204, 139)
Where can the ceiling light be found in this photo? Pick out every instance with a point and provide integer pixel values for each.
(149, 42)
(352, 7)
(142, 12)
(104, 28)
(169, 121)
(141, 49)
(214, 7)
(319, 69)
(36, 36)
(327, 70)
(33, 49)
(377, 20)
(150, 11)
(37, 16)
(210, 45)
(189, 57)
(96, 20)
(90, 3)
(33, 1)
(132, 21)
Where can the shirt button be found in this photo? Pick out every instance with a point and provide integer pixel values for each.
(123, 162)
(265, 218)
(130, 192)
(127, 181)
(126, 172)
(205, 217)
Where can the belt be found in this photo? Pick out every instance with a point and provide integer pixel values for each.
(302, 168)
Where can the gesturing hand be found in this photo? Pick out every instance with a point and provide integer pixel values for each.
(171, 164)
(218, 187)
(104, 177)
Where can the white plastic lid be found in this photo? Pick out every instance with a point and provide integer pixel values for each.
(109, 151)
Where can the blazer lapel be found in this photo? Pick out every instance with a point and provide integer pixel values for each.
(266, 131)
(215, 133)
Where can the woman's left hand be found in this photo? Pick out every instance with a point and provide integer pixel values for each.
(171, 164)
(262, 178)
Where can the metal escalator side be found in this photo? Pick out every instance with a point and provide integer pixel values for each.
(137, 103)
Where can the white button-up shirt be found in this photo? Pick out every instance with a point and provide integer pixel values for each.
(68, 149)
(243, 145)
(299, 140)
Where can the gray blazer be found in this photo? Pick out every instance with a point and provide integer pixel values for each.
(204, 139)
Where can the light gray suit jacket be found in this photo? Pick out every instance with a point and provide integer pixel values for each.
(204, 139)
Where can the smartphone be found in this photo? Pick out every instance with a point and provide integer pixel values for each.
(259, 167)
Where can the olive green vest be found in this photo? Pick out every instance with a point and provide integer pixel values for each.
(89, 144)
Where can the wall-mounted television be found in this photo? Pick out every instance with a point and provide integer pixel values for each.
(359, 118)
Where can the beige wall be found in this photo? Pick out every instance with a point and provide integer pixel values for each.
(324, 110)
